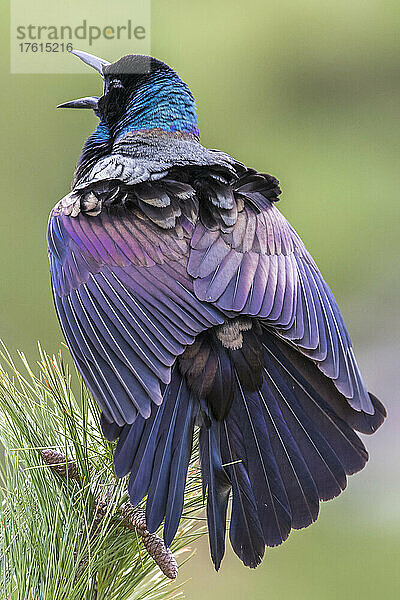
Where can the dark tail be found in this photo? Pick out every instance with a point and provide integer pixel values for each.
(285, 441)
(156, 452)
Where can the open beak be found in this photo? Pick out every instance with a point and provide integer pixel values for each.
(89, 102)
(97, 64)
(91, 60)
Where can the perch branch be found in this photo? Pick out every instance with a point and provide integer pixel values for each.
(130, 517)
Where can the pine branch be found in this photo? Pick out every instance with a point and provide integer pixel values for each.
(67, 529)
(132, 518)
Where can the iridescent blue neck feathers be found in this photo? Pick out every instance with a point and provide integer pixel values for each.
(156, 101)
(163, 102)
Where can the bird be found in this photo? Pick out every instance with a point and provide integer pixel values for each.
(191, 307)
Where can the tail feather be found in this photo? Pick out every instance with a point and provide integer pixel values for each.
(143, 458)
(126, 448)
(111, 431)
(218, 488)
(245, 531)
(297, 479)
(340, 436)
(316, 384)
(157, 495)
(182, 449)
(156, 451)
(323, 464)
(259, 459)
(283, 439)
(284, 448)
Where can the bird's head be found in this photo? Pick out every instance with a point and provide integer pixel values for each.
(140, 94)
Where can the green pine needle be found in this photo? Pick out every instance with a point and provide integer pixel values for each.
(54, 545)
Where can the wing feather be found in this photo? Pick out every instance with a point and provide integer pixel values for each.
(260, 267)
(126, 304)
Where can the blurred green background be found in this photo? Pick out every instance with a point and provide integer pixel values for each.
(308, 91)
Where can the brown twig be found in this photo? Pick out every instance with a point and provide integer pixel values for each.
(130, 517)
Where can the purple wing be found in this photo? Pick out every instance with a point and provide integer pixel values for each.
(125, 303)
(260, 267)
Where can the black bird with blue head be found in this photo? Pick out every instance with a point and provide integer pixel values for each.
(188, 301)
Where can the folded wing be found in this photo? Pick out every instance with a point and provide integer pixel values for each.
(126, 304)
(260, 267)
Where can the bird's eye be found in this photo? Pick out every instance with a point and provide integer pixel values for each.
(113, 100)
(115, 84)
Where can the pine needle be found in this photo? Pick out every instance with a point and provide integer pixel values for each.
(67, 531)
